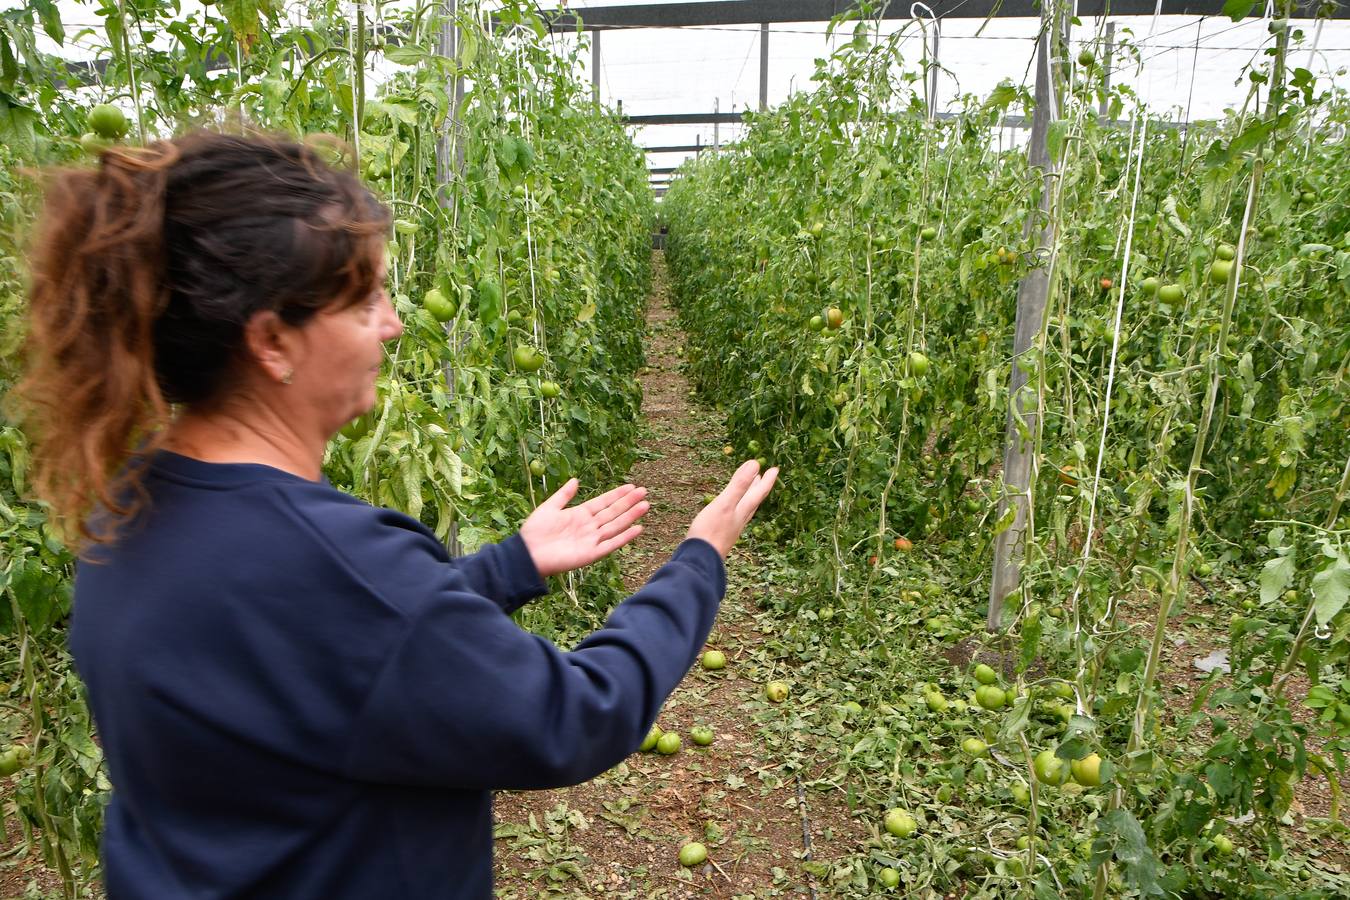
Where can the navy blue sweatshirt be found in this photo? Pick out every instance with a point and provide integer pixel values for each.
(300, 695)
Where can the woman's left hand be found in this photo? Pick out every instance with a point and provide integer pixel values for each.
(561, 539)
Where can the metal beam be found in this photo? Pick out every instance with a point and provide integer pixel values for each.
(685, 119)
(661, 171)
(763, 66)
(757, 12)
(676, 148)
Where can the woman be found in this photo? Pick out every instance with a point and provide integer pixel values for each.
(300, 695)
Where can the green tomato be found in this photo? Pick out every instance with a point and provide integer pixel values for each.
(900, 823)
(1221, 271)
(918, 364)
(936, 702)
(974, 747)
(701, 735)
(653, 735)
(668, 743)
(10, 762)
(537, 467)
(108, 121)
(549, 390)
(714, 659)
(693, 854)
(527, 359)
(1087, 771)
(406, 226)
(985, 674)
(1170, 294)
(776, 691)
(990, 696)
(1050, 769)
(889, 878)
(1149, 286)
(92, 144)
(1225, 252)
(928, 233)
(435, 302)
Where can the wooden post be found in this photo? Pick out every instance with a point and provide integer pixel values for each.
(763, 66)
(1106, 66)
(1009, 546)
(595, 66)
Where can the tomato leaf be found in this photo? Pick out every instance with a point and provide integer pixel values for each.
(1331, 589)
(1276, 576)
(1237, 10)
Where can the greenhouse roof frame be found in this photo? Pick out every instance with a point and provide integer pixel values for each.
(758, 12)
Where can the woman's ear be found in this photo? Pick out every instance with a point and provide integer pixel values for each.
(270, 344)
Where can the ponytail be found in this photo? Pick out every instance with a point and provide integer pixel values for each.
(145, 271)
(90, 391)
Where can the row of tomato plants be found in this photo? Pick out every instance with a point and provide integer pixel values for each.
(520, 279)
(857, 325)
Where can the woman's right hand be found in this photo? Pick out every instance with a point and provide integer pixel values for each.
(722, 521)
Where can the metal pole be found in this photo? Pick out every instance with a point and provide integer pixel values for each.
(717, 144)
(448, 144)
(1023, 406)
(449, 168)
(595, 66)
(1106, 66)
(763, 66)
(933, 69)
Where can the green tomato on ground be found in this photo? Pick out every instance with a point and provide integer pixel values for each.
(668, 743)
(990, 697)
(701, 735)
(974, 747)
(693, 854)
(653, 735)
(900, 823)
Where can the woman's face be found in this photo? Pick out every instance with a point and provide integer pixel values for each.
(343, 351)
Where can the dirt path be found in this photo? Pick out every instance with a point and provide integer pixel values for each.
(619, 835)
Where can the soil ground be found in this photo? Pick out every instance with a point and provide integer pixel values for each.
(620, 835)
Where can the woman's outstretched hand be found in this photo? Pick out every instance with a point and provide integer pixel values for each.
(721, 522)
(561, 539)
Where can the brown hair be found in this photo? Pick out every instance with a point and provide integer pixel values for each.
(145, 270)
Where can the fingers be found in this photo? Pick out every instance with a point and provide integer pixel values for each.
(597, 505)
(741, 481)
(623, 520)
(756, 493)
(563, 495)
(614, 543)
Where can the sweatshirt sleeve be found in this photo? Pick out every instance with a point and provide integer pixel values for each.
(505, 573)
(467, 699)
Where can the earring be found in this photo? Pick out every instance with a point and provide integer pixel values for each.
(286, 379)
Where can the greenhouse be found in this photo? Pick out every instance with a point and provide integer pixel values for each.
(738, 448)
